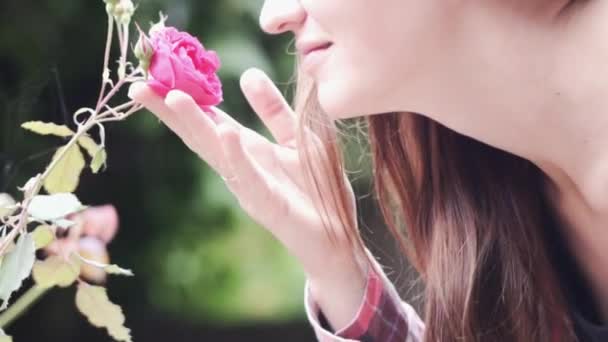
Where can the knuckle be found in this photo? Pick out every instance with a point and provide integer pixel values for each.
(273, 106)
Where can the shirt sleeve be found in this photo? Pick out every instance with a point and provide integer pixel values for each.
(382, 315)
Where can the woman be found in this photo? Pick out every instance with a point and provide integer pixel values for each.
(487, 124)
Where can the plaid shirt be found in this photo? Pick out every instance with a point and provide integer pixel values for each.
(382, 315)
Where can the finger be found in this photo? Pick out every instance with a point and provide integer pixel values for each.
(277, 161)
(280, 161)
(268, 102)
(202, 131)
(140, 92)
(253, 187)
(223, 117)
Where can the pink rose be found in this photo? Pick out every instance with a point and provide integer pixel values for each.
(180, 61)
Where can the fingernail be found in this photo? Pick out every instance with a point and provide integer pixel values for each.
(134, 89)
(252, 80)
(172, 97)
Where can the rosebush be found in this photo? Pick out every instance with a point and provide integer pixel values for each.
(72, 235)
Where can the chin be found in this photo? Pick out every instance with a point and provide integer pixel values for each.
(337, 103)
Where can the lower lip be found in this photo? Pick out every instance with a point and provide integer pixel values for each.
(313, 59)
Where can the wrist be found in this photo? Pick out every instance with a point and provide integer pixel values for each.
(339, 271)
(340, 291)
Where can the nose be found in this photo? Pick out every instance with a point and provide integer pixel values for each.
(278, 16)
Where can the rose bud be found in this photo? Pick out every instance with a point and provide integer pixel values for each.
(110, 5)
(143, 50)
(123, 11)
(159, 26)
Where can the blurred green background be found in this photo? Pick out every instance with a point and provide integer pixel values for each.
(204, 270)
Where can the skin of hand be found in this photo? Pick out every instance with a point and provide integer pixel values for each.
(266, 177)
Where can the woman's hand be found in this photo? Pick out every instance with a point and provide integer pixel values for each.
(267, 178)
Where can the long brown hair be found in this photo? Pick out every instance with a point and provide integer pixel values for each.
(468, 216)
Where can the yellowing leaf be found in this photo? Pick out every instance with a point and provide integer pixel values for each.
(100, 261)
(94, 303)
(98, 153)
(46, 128)
(54, 270)
(115, 269)
(7, 205)
(88, 144)
(43, 235)
(66, 173)
(99, 160)
(16, 266)
(4, 337)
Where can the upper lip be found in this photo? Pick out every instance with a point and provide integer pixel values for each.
(306, 46)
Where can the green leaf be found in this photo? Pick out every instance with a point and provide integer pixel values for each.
(66, 173)
(55, 270)
(54, 207)
(94, 303)
(97, 153)
(16, 266)
(43, 235)
(46, 128)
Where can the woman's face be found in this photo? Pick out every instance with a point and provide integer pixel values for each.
(433, 57)
(375, 45)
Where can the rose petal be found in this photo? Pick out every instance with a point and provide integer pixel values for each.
(158, 87)
(93, 249)
(92, 245)
(209, 62)
(185, 58)
(161, 67)
(181, 62)
(101, 222)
